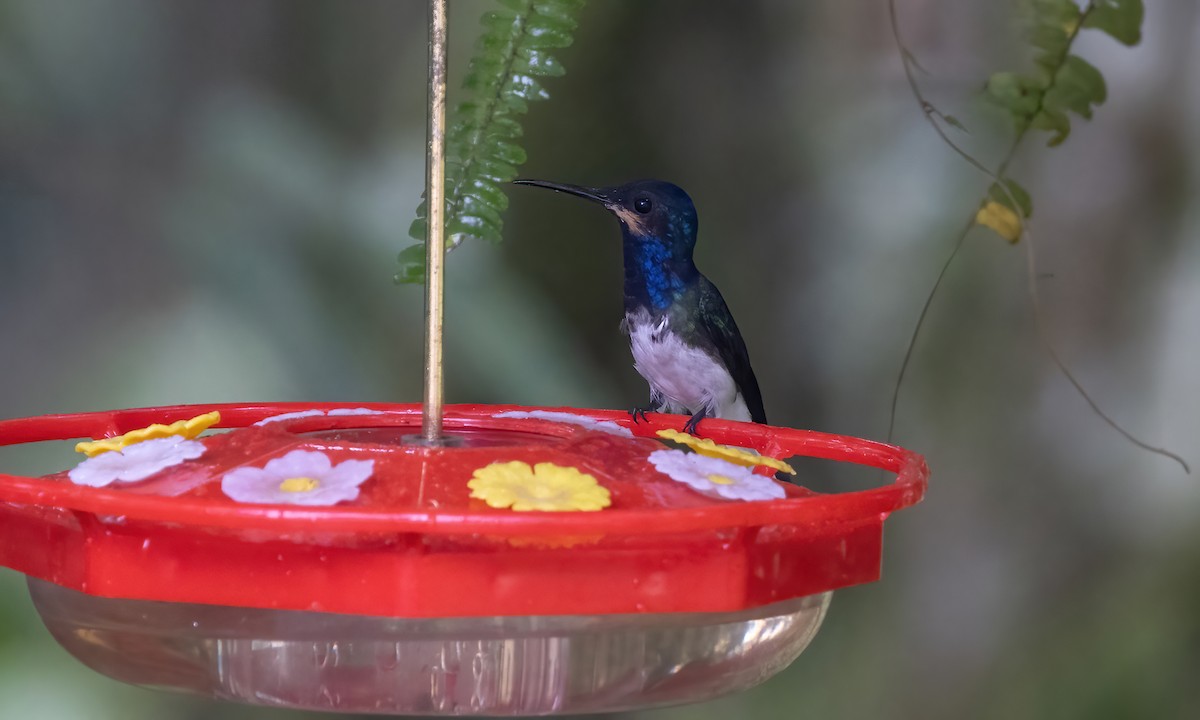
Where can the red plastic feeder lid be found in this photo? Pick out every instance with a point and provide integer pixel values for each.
(394, 530)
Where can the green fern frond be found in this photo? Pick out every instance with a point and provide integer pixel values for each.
(483, 144)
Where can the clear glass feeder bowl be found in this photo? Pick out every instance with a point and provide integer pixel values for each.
(532, 665)
(415, 597)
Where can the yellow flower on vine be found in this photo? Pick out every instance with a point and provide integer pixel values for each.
(737, 456)
(187, 429)
(545, 486)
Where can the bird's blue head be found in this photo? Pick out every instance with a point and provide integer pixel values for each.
(658, 229)
(647, 209)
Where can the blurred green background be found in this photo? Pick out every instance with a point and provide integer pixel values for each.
(200, 200)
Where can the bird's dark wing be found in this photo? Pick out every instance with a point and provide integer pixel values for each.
(716, 322)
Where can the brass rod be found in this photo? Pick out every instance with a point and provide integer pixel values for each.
(435, 239)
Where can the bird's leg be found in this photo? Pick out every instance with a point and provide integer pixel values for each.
(691, 425)
(639, 413)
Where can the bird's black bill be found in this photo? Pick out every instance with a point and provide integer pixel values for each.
(586, 193)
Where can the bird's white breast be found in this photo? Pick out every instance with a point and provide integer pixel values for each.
(686, 378)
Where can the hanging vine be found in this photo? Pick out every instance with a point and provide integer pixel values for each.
(1060, 83)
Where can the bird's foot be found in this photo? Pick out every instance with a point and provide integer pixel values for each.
(693, 423)
(639, 414)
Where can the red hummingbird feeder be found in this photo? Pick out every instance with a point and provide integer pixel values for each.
(416, 597)
(415, 559)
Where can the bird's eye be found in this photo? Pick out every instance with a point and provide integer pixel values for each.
(642, 205)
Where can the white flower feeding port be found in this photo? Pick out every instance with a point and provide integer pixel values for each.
(136, 462)
(715, 477)
(301, 477)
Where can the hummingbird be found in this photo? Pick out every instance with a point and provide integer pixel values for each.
(684, 341)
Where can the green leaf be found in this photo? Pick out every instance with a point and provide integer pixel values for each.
(1019, 94)
(537, 62)
(491, 169)
(1077, 87)
(525, 88)
(481, 83)
(1024, 204)
(509, 102)
(559, 9)
(501, 24)
(412, 264)
(472, 226)
(1055, 121)
(550, 24)
(417, 230)
(483, 74)
(504, 127)
(494, 43)
(1082, 74)
(545, 32)
(1121, 19)
(1045, 65)
(1051, 38)
(507, 152)
(486, 64)
(1004, 88)
(488, 193)
(476, 206)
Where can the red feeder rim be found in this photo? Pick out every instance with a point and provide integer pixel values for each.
(418, 547)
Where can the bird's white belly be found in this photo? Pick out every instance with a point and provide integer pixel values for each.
(687, 379)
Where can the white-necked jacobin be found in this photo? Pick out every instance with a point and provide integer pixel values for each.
(683, 337)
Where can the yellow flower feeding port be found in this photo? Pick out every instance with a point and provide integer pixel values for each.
(545, 486)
